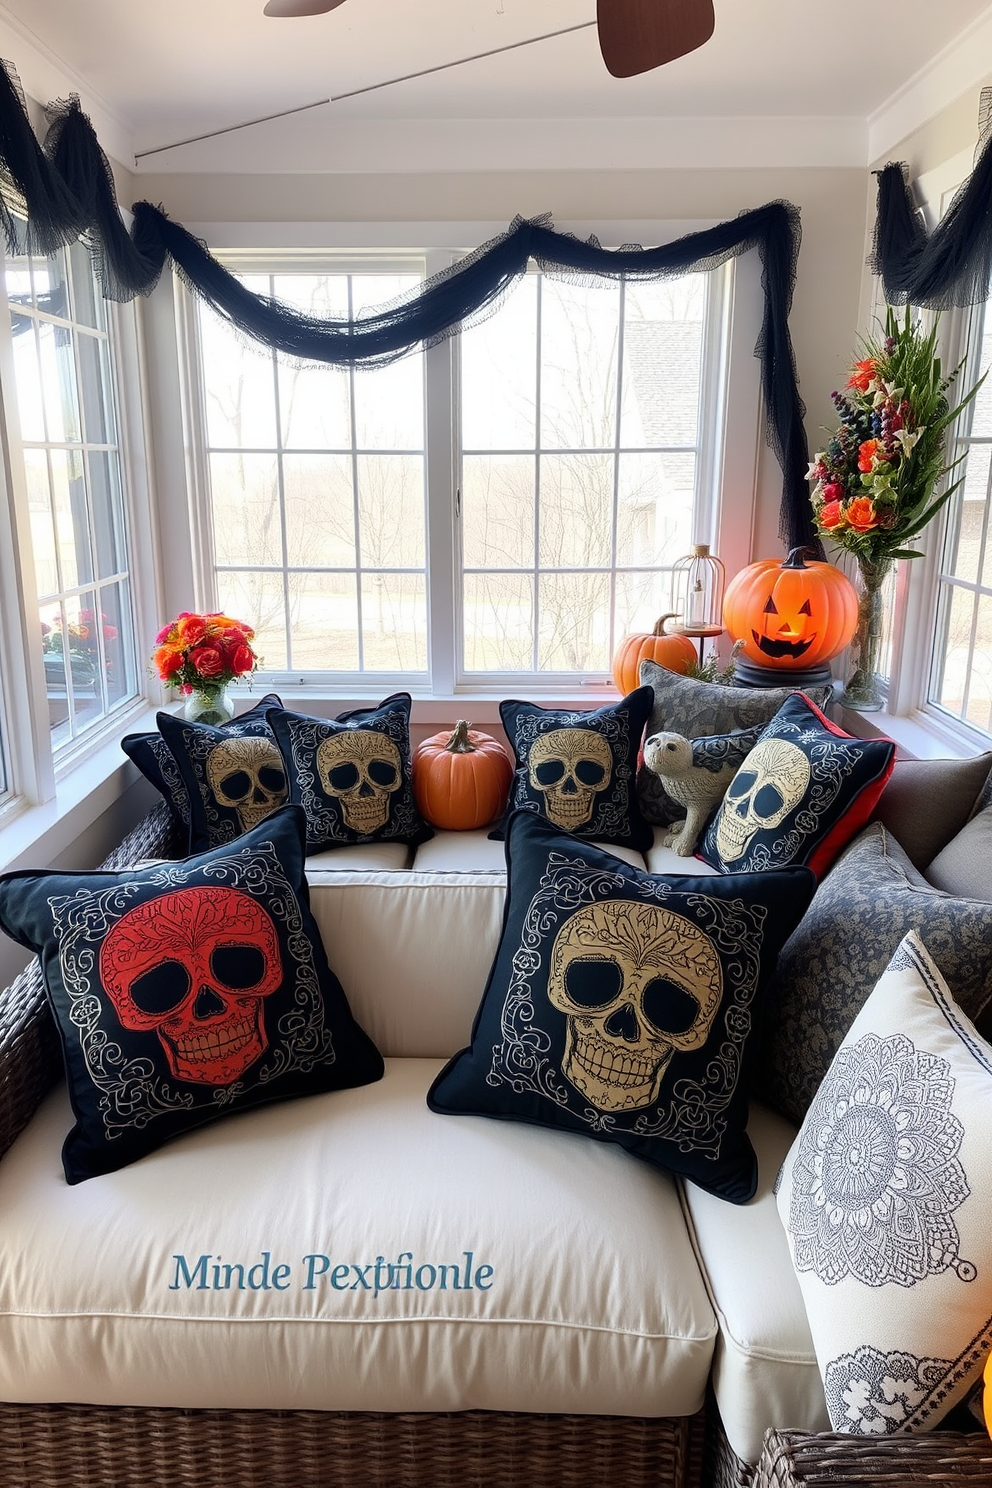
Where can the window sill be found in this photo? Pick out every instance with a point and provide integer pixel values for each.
(917, 735)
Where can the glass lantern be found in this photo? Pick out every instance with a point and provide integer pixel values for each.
(697, 594)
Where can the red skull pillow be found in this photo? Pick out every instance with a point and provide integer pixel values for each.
(185, 990)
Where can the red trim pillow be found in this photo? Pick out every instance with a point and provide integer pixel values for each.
(804, 791)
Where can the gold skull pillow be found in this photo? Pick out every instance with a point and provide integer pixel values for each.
(233, 775)
(800, 795)
(578, 769)
(352, 774)
(184, 991)
(622, 1005)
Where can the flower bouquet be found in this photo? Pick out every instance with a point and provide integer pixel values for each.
(874, 481)
(201, 655)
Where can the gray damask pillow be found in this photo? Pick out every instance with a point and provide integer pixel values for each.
(684, 705)
(871, 898)
(886, 1196)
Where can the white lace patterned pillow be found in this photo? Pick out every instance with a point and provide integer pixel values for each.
(886, 1195)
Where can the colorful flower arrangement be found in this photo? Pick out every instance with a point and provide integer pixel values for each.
(873, 482)
(203, 653)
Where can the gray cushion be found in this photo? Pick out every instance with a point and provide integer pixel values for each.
(684, 705)
(928, 801)
(965, 865)
(869, 900)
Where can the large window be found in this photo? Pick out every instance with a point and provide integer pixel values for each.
(64, 388)
(504, 507)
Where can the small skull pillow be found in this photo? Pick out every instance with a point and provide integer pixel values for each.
(352, 774)
(186, 990)
(799, 796)
(234, 775)
(622, 1005)
(578, 769)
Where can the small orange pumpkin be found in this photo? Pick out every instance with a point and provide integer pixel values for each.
(791, 614)
(676, 652)
(461, 780)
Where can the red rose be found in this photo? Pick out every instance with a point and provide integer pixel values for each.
(207, 660)
(241, 659)
(833, 491)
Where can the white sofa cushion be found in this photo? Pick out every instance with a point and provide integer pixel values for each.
(764, 1370)
(356, 857)
(412, 952)
(593, 1303)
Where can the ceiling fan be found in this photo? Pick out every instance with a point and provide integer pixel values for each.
(634, 35)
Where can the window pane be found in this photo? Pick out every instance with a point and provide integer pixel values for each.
(320, 511)
(499, 622)
(42, 527)
(573, 625)
(394, 622)
(642, 598)
(324, 618)
(27, 376)
(238, 389)
(389, 406)
(957, 650)
(498, 511)
(391, 510)
(980, 681)
(95, 388)
(663, 343)
(576, 511)
(247, 527)
(499, 371)
(88, 305)
(315, 407)
(106, 499)
(259, 599)
(655, 507)
(579, 334)
(71, 517)
(58, 384)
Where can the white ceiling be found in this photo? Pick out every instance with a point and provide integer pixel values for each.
(169, 69)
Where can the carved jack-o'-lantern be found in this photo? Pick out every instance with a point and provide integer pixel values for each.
(793, 614)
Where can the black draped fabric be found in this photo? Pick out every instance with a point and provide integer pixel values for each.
(68, 191)
(947, 267)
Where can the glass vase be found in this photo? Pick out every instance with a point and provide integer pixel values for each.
(212, 705)
(861, 691)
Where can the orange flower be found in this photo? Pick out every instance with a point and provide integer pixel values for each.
(190, 630)
(831, 515)
(862, 374)
(167, 661)
(867, 455)
(861, 514)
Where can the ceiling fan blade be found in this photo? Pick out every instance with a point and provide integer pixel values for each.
(300, 7)
(637, 35)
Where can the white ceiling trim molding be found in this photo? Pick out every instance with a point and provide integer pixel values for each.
(332, 145)
(964, 64)
(45, 77)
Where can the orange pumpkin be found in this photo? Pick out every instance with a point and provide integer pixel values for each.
(676, 652)
(791, 614)
(461, 780)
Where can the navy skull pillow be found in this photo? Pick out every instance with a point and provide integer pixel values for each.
(800, 795)
(234, 774)
(352, 774)
(622, 1005)
(578, 769)
(184, 991)
(157, 763)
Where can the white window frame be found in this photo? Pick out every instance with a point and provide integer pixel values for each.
(733, 454)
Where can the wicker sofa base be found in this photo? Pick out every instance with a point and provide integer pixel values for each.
(87, 1446)
(942, 1459)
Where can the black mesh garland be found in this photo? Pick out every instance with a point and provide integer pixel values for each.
(950, 266)
(68, 192)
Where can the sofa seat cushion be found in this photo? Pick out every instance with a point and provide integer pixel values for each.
(358, 857)
(477, 852)
(585, 1294)
(661, 859)
(764, 1371)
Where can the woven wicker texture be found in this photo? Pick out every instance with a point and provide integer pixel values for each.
(30, 1055)
(74, 1446)
(722, 1468)
(795, 1459)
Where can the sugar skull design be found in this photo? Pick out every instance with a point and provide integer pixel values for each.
(361, 768)
(194, 966)
(247, 776)
(637, 984)
(568, 767)
(772, 780)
